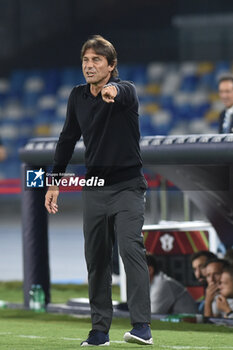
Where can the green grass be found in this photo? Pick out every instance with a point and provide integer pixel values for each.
(11, 291)
(60, 293)
(24, 330)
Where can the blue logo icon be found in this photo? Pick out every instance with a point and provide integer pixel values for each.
(35, 178)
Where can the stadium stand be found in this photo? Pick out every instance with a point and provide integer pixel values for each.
(174, 99)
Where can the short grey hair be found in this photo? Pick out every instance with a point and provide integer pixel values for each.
(225, 77)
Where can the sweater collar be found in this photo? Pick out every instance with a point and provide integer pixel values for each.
(87, 91)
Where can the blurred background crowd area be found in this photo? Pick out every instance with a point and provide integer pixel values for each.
(173, 50)
(174, 99)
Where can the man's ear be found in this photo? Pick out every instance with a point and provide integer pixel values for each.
(112, 65)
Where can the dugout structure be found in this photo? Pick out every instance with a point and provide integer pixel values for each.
(173, 243)
(199, 165)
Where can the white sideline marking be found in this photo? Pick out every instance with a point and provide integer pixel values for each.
(30, 336)
(177, 347)
(64, 338)
(41, 337)
(117, 341)
(111, 341)
(181, 347)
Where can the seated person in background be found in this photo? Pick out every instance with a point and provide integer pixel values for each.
(225, 89)
(213, 270)
(2, 152)
(199, 260)
(229, 256)
(222, 305)
(167, 295)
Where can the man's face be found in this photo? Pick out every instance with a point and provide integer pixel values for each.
(225, 90)
(213, 273)
(96, 69)
(226, 285)
(198, 269)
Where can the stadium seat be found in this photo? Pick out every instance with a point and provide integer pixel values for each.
(155, 72)
(56, 128)
(52, 81)
(162, 122)
(32, 90)
(71, 76)
(17, 79)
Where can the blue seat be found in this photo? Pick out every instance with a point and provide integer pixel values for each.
(166, 102)
(146, 126)
(189, 83)
(124, 71)
(201, 109)
(30, 100)
(138, 74)
(207, 81)
(222, 66)
(17, 79)
(71, 76)
(147, 99)
(184, 111)
(44, 117)
(52, 81)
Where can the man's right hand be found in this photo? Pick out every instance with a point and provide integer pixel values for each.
(211, 291)
(51, 199)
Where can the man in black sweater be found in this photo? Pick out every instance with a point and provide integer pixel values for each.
(105, 112)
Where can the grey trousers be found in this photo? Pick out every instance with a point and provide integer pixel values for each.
(116, 209)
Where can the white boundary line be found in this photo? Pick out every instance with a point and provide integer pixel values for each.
(182, 347)
(175, 347)
(41, 337)
(30, 336)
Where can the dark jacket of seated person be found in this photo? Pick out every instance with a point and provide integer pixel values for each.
(167, 295)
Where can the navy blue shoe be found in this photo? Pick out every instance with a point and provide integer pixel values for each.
(140, 334)
(96, 338)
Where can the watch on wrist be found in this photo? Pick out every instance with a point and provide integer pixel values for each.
(229, 313)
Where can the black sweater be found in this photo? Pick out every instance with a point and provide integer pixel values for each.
(110, 133)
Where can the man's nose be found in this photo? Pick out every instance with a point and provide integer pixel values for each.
(212, 279)
(89, 64)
